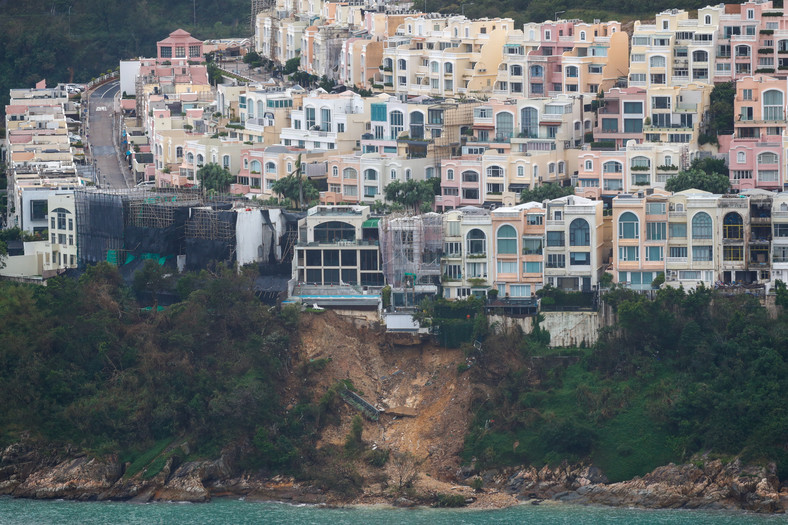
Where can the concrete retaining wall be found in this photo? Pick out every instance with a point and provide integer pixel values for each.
(566, 328)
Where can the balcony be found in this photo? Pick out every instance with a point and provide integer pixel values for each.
(676, 260)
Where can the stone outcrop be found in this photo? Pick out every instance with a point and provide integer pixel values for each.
(34, 470)
(701, 485)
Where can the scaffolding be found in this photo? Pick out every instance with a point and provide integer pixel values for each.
(411, 248)
(209, 224)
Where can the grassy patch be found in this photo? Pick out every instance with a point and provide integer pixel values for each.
(144, 459)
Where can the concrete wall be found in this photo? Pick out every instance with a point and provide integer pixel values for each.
(566, 328)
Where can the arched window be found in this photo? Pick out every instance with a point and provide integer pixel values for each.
(772, 105)
(628, 226)
(370, 174)
(448, 67)
(255, 166)
(668, 160)
(701, 226)
(250, 107)
(516, 70)
(270, 167)
(407, 173)
(429, 172)
(536, 171)
(530, 122)
(550, 168)
(589, 165)
(700, 56)
(397, 123)
(582, 36)
(261, 111)
(246, 164)
(521, 171)
(732, 226)
(476, 242)
(393, 174)
(402, 64)
(494, 171)
(537, 71)
(707, 20)
(504, 126)
(658, 61)
(179, 152)
(579, 233)
(334, 231)
(334, 171)
(571, 72)
(416, 125)
(435, 67)
(768, 157)
(470, 176)
(200, 159)
(226, 161)
(190, 157)
(741, 157)
(561, 167)
(349, 173)
(507, 240)
(641, 163)
(612, 166)
(449, 174)
(742, 51)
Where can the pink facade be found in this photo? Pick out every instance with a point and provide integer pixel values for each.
(600, 173)
(461, 182)
(756, 158)
(179, 46)
(518, 262)
(620, 116)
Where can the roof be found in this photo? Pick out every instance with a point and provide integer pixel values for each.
(371, 223)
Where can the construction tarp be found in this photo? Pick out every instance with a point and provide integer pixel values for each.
(251, 236)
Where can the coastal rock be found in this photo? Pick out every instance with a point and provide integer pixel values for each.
(81, 478)
(188, 481)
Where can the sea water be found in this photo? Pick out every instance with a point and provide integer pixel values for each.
(231, 511)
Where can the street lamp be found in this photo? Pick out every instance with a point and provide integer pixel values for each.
(558, 13)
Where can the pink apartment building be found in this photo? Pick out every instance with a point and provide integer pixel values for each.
(620, 116)
(756, 156)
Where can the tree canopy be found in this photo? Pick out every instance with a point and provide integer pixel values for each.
(215, 178)
(411, 195)
(697, 178)
(545, 192)
(290, 188)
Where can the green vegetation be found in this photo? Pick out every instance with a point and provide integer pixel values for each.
(68, 41)
(449, 500)
(413, 196)
(683, 374)
(81, 362)
(546, 192)
(708, 174)
(215, 178)
(720, 119)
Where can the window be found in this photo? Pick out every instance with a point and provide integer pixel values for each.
(476, 270)
(507, 266)
(589, 165)
(452, 249)
(656, 231)
(532, 267)
(470, 176)
(557, 260)
(504, 126)
(180, 52)
(378, 112)
(453, 271)
(476, 242)
(507, 240)
(772, 105)
(657, 61)
(633, 125)
(397, 122)
(530, 122)
(678, 230)
(571, 72)
(781, 230)
(532, 246)
(701, 226)
(654, 253)
(628, 226)
(702, 253)
(166, 52)
(555, 238)
(533, 219)
(628, 253)
(580, 258)
(579, 233)
(678, 252)
(334, 231)
(733, 253)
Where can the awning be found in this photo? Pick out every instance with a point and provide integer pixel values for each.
(370, 223)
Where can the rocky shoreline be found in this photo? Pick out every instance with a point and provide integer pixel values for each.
(31, 471)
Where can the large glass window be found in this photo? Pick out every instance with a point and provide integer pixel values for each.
(530, 122)
(628, 226)
(701, 226)
(702, 253)
(334, 231)
(532, 246)
(507, 240)
(504, 126)
(555, 238)
(772, 105)
(656, 231)
(476, 242)
(732, 226)
(579, 233)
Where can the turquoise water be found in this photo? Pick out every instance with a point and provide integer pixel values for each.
(31, 512)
